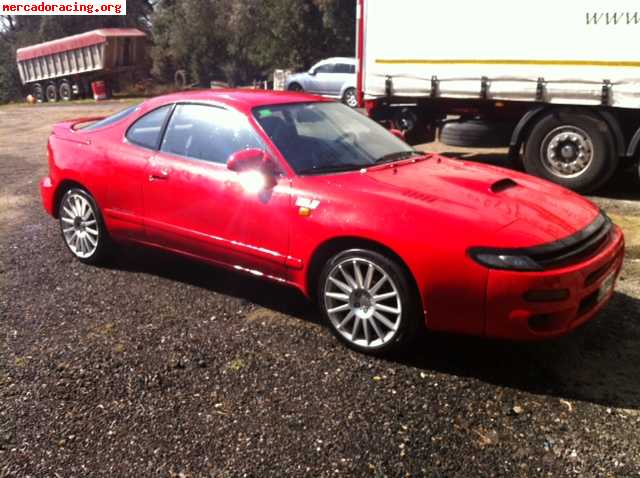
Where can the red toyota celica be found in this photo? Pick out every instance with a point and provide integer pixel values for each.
(306, 192)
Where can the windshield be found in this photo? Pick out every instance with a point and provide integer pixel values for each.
(318, 138)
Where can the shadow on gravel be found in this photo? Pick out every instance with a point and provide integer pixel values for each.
(598, 363)
(260, 292)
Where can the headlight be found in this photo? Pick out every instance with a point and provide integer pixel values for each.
(504, 261)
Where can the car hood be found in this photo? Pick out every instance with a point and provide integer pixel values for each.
(519, 210)
(297, 76)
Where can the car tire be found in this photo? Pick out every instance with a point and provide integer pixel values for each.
(350, 98)
(573, 149)
(65, 91)
(51, 93)
(368, 301)
(476, 133)
(82, 227)
(295, 87)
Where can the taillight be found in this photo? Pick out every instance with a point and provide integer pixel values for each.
(49, 154)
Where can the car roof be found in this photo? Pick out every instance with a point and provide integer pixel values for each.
(341, 59)
(240, 99)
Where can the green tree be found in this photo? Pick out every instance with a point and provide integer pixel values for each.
(240, 40)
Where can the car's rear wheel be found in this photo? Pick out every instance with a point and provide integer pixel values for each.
(368, 301)
(350, 98)
(82, 227)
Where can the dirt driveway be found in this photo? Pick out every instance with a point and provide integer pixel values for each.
(159, 366)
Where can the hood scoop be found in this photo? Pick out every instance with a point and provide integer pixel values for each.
(503, 185)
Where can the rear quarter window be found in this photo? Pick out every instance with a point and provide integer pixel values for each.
(111, 120)
(146, 131)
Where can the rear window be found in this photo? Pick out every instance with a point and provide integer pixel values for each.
(344, 68)
(111, 120)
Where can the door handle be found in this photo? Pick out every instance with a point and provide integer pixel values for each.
(161, 175)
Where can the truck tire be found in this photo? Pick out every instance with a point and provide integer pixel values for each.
(65, 91)
(476, 133)
(51, 93)
(38, 92)
(572, 148)
(180, 79)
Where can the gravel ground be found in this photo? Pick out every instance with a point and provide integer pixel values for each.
(159, 366)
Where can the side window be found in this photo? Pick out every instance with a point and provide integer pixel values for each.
(326, 68)
(352, 69)
(344, 68)
(147, 130)
(208, 133)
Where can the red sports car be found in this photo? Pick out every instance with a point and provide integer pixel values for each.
(306, 192)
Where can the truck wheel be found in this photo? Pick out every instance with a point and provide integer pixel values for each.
(51, 93)
(38, 92)
(476, 133)
(65, 91)
(573, 149)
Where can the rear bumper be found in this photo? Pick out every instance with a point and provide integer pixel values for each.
(511, 316)
(47, 192)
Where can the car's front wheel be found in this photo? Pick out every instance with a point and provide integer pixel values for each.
(296, 87)
(82, 227)
(368, 301)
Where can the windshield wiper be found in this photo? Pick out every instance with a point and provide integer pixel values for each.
(400, 155)
(333, 169)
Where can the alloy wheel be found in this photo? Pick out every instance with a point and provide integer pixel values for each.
(363, 302)
(79, 226)
(351, 98)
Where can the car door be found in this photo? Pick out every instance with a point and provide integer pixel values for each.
(128, 160)
(195, 205)
(344, 73)
(322, 79)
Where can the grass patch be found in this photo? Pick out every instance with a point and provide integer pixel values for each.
(114, 101)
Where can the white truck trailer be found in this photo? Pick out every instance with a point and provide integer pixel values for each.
(557, 82)
(65, 68)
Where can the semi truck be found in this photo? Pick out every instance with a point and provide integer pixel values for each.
(557, 83)
(64, 69)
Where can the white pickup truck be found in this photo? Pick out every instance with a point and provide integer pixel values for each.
(557, 82)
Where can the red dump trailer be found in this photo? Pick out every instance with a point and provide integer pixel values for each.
(64, 69)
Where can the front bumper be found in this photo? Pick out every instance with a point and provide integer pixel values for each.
(511, 316)
(47, 192)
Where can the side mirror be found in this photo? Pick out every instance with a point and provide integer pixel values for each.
(255, 167)
(312, 72)
(397, 133)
